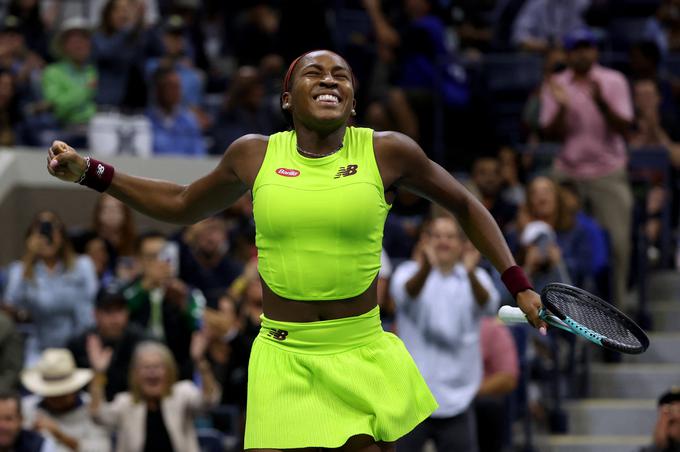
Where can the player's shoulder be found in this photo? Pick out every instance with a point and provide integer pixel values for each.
(394, 144)
(248, 143)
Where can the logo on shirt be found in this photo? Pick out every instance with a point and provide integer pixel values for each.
(279, 335)
(287, 172)
(345, 171)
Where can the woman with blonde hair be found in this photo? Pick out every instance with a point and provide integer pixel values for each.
(158, 412)
(51, 284)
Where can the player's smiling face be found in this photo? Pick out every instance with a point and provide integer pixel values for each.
(322, 90)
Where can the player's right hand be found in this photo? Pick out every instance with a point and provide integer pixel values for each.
(64, 163)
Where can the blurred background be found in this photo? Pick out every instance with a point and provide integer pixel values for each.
(160, 88)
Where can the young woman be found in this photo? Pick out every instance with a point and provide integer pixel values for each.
(52, 284)
(322, 372)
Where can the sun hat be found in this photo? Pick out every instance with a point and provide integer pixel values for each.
(55, 374)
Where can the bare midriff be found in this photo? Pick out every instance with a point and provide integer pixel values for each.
(282, 309)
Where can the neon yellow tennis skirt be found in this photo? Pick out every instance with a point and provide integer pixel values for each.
(316, 384)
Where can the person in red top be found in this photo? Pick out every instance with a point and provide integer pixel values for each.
(501, 373)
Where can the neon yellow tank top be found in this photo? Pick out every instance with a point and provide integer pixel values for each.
(319, 221)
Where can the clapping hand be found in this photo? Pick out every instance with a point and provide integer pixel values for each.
(99, 356)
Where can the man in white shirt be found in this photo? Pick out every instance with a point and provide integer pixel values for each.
(440, 298)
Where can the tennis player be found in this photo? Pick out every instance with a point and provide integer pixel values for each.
(322, 372)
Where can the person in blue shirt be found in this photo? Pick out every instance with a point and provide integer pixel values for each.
(175, 128)
(52, 284)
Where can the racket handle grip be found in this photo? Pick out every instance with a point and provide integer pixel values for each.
(509, 314)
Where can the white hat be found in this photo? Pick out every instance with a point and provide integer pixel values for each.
(55, 374)
(535, 230)
(73, 23)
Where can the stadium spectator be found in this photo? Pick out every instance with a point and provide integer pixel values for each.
(13, 127)
(554, 62)
(443, 337)
(420, 78)
(58, 408)
(667, 429)
(646, 63)
(110, 241)
(205, 263)
(55, 11)
(12, 436)
(159, 412)
(175, 55)
(175, 128)
(11, 354)
(24, 64)
(228, 351)
(246, 109)
(113, 328)
(501, 373)
(596, 239)
(654, 128)
(511, 176)
(589, 108)
(487, 183)
(117, 47)
(161, 303)
(31, 24)
(70, 84)
(541, 24)
(552, 246)
(669, 16)
(653, 125)
(52, 284)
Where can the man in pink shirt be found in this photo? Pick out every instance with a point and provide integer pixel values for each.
(588, 107)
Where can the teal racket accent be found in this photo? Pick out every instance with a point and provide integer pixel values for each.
(582, 313)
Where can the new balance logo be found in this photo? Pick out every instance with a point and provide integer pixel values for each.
(279, 335)
(345, 171)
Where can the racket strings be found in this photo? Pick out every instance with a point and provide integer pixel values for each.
(593, 316)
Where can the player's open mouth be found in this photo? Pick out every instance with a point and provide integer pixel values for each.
(327, 99)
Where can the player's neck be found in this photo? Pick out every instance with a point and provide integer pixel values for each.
(319, 142)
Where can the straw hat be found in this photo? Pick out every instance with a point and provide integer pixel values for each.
(55, 374)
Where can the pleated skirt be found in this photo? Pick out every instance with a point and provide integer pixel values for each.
(317, 384)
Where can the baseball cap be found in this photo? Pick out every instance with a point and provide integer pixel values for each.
(579, 36)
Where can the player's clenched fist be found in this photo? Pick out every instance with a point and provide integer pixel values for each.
(64, 162)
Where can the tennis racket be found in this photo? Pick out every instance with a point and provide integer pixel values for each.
(582, 313)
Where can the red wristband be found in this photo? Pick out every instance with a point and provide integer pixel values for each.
(98, 175)
(515, 280)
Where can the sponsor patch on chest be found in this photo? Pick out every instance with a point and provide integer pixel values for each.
(287, 172)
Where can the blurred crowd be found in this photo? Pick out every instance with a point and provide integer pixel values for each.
(548, 111)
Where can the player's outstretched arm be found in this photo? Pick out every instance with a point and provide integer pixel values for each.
(403, 163)
(163, 200)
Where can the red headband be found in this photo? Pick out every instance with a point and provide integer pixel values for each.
(291, 68)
